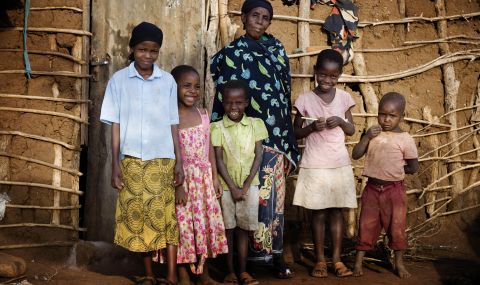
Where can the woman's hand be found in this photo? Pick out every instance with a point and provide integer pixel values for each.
(334, 122)
(288, 166)
(180, 195)
(218, 188)
(117, 178)
(178, 174)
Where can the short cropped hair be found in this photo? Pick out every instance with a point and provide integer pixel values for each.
(396, 98)
(180, 70)
(236, 84)
(329, 55)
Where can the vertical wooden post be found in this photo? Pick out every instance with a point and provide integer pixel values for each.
(433, 143)
(451, 85)
(475, 100)
(304, 42)
(223, 16)
(211, 48)
(4, 161)
(84, 69)
(57, 182)
(366, 89)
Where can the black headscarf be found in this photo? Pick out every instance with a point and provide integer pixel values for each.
(249, 5)
(146, 32)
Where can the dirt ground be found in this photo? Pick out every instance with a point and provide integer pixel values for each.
(441, 271)
(458, 263)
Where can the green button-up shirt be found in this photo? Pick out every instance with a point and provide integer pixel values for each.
(238, 143)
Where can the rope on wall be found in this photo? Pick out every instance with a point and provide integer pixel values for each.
(28, 69)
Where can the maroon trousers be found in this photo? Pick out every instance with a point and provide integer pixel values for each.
(383, 207)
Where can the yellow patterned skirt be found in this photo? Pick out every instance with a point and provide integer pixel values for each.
(145, 218)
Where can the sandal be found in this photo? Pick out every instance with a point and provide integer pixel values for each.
(282, 270)
(319, 270)
(147, 280)
(231, 278)
(163, 281)
(341, 270)
(247, 279)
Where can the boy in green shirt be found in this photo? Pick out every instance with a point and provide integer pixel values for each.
(237, 140)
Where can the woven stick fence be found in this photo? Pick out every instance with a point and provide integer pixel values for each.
(64, 170)
(444, 164)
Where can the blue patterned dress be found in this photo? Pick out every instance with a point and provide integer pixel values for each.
(264, 66)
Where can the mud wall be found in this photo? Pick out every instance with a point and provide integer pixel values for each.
(385, 50)
(112, 22)
(42, 120)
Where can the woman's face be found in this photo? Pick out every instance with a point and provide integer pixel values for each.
(256, 22)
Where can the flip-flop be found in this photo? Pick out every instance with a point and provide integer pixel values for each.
(319, 270)
(341, 270)
(146, 280)
(231, 278)
(282, 270)
(247, 279)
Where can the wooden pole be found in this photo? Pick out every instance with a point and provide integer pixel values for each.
(49, 30)
(451, 85)
(40, 162)
(304, 42)
(40, 138)
(39, 185)
(223, 16)
(366, 89)
(435, 172)
(57, 182)
(211, 49)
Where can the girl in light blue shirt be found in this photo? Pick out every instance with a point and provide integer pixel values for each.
(140, 104)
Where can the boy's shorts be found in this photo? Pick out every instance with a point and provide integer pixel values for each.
(383, 207)
(242, 214)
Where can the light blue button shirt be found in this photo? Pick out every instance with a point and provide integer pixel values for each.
(145, 110)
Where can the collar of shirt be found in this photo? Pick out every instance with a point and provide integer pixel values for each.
(228, 123)
(133, 72)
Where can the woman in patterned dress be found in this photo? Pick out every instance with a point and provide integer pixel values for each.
(260, 60)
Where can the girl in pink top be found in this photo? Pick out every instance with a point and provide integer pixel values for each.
(325, 181)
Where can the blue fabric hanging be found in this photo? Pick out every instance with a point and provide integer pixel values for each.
(28, 69)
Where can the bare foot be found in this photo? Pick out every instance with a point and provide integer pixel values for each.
(402, 271)
(184, 277)
(358, 267)
(399, 266)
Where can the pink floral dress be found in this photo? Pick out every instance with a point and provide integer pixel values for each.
(202, 232)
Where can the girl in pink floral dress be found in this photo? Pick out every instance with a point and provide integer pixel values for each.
(199, 216)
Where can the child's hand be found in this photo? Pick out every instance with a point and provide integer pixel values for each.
(117, 178)
(180, 195)
(373, 131)
(218, 188)
(318, 125)
(245, 188)
(334, 122)
(236, 194)
(178, 174)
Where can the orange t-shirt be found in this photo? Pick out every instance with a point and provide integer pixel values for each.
(386, 155)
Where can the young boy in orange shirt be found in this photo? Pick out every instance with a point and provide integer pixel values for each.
(390, 154)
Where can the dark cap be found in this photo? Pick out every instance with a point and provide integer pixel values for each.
(249, 5)
(146, 32)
